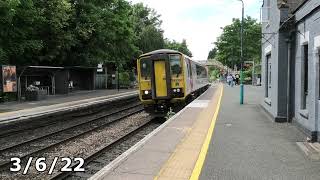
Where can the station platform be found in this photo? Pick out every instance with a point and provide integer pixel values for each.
(16, 110)
(215, 137)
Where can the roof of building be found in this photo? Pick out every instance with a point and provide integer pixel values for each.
(300, 4)
(293, 5)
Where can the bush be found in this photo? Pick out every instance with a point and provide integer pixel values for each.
(213, 75)
(124, 79)
(7, 97)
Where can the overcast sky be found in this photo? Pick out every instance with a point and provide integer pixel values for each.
(199, 21)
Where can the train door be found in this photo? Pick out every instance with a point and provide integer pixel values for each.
(160, 78)
(190, 76)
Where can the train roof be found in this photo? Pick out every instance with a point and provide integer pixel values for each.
(164, 51)
(161, 51)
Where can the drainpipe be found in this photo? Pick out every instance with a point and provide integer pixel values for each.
(289, 42)
(288, 80)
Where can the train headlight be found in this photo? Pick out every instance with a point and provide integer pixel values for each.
(178, 90)
(146, 92)
(174, 90)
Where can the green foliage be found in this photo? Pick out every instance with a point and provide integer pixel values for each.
(19, 27)
(146, 26)
(213, 74)
(103, 32)
(181, 47)
(78, 32)
(124, 79)
(228, 44)
(212, 53)
(131, 76)
(7, 97)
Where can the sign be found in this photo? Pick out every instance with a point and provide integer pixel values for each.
(100, 68)
(9, 78)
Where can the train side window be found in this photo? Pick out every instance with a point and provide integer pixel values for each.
(201, 72)
(190, 67)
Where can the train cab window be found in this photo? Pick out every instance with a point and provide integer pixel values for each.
(175, 64)
(145, 66)
(201, 71)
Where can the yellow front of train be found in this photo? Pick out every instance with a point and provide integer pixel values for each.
(161, 79)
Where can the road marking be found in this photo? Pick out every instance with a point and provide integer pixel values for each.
(202, 156)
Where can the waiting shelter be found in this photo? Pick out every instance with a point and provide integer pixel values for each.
(55, 80)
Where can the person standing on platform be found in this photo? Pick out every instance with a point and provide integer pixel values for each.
(229, 79)
(233, 80)
(237, 76)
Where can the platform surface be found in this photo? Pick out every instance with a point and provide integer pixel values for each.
(248, 145)
(14, 110)
(244, 143)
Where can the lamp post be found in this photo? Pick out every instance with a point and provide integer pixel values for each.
(241, 70)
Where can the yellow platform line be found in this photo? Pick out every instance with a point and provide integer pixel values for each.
(204, 149)
(177, 166)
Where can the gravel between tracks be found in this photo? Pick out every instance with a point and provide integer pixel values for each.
(113, 152)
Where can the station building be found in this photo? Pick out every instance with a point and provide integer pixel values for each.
(290, 62)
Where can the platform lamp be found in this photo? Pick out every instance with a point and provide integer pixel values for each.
(241, 69)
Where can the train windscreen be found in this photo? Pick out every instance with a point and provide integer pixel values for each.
(175, 64)
(145, 67)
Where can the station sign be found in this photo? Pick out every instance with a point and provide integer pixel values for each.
(9, 78)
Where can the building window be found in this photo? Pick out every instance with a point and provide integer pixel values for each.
(265, 12)
(268, 76)
(268, 9)
(304, 83)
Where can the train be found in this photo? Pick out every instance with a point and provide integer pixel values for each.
(167, 78)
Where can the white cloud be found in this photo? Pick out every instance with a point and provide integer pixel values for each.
(199, 21)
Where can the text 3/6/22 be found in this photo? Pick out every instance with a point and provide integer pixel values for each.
(40, 164)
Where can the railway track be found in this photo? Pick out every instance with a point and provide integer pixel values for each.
(97, 160)
(50, 144)
(51, 121)
(24, 137)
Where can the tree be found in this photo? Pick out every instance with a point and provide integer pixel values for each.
(79, 32)
(103, 33)
(55, 32)
(228, 44)
(212, 53)
(19, 25)
(181, 47)
(146, 25)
